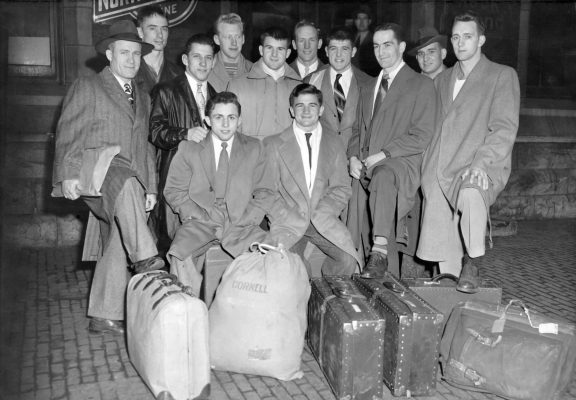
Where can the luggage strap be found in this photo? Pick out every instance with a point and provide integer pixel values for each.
(467, 373)
(498, 325)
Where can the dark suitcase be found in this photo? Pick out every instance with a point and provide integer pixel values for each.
(509, 351)
(411, 339)
(345, 335)
(440, 292)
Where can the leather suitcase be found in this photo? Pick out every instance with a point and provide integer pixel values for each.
(345, 335)
(167, 332)
(411, 338)
(508, 351)
(440, 292)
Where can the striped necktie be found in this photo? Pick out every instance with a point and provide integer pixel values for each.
(381, 93)
(129, 93)
(201, 100)
(339, 97)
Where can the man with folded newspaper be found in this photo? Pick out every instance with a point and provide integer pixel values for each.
(103, 156)
(469, 159)
(210, 186)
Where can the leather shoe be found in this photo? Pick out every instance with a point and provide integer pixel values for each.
(469, 280)
(149, 264)
(100, 325)
(164, 395)
(376, 266)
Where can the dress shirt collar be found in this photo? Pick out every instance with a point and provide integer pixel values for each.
(217, 143)
(302, 68)
(121, 81)
(391, 74)
(345, 80)
(194, 84)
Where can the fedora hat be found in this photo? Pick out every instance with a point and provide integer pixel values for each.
(427, 35)
(122, 30)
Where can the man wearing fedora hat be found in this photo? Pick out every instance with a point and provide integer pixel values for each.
(430, 51)
(103, 132)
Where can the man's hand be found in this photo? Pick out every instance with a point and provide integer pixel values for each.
(197, 134)
(478, 175)
(71, 188)
(355, 167)
(374, 159)
(151, 200)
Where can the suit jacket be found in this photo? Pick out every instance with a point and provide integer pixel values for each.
(96, 113)
(265, 102)
(191, 181)
(294, 66)
(402, 127)
(219, 77)
(321, 79)
(147, 80)
(365, 58)
(475, 130)
(174, 111)
(293, 208)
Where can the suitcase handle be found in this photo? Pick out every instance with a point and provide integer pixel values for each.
(265, 248)
(439, 277)
(394, 287)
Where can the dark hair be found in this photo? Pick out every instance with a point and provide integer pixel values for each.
(275, 33)
(340, 33)
(394, 27)
(199, 38)
(231, 19)
(149, 11)
(468, 16)
(363, 9)
(303, 23)
(305, 88)
(222, 98)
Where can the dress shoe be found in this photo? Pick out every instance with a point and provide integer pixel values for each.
(469, 280)
(149, 264)
(164, 395)
(100, 325)
(376, 266)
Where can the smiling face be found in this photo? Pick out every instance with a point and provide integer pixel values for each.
(154, 30)
(466, 41)
(199, 61)
(230, 38)
(274, 52)
(340, 53)
(124, 57)
(224, 120)
(306, 111)
(430, 58)
(387, 50)
(307, 44)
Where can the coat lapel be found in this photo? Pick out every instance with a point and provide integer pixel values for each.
(186, 93)
(208, 159)
(236, 168)
(324, 162)
(290, 154)
(328, 91)
(473, 83)
(116, 92)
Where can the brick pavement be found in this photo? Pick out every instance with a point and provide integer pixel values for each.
(47, 353)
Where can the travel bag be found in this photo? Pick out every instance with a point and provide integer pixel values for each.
(411, 337)
(440, 292)
(167, 332)
(346, 336)
(258, 317)
(509, 351)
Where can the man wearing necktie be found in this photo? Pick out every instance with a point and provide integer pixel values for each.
(210, 186)
(339, 83)
(306, 169)
(106, 116)
(178, 115)
(469, 160)
(394, 124)
(306, 42)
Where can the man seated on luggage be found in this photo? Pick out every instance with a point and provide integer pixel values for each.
(307, 170)
(210, 186)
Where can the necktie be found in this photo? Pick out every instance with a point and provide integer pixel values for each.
(129, 93)
(306, 71)
(201, 100)
(308, 135)
(222, 172)
(381, 92)
(339, 97)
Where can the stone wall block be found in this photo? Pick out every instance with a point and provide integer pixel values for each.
(70, 230)
(28, 160)
(19, 197)
(555, 206)
(30, 231)
(546, 155)
(538, 182)
(517, 207)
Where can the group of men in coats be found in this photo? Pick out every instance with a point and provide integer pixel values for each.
(339, 163)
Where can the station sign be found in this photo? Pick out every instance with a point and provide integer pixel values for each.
(177, 11)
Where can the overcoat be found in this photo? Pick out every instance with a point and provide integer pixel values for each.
(145, 77)
(293, 208)
(477, 129)
(265, 102)
(219, 77)
(190, 190)
(364, 58)
(402, 126)
(321, 79)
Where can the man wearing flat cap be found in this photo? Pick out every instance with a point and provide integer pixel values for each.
(103, 157)
(430, 51)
